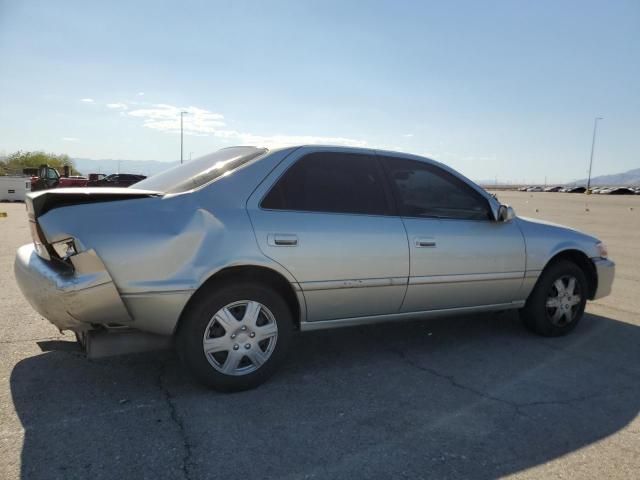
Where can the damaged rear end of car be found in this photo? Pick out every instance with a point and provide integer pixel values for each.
(64, 279)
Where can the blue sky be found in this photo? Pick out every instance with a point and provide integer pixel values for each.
(506, 89)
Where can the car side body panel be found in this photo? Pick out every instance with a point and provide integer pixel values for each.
(346, 265)
(471, 263)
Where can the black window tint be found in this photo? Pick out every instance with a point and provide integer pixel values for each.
(425, 190)
(331, 182)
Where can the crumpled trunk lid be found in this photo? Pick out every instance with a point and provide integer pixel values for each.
(39, 203)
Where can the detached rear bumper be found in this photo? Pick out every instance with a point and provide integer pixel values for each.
(71, 300)
(606, 270)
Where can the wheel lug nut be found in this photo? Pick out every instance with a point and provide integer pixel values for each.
(247, 346)
(236, 346)
(252, 334)
(244, 327)
(233, 335)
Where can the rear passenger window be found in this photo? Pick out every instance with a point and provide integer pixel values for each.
(425, 190)
(331, 182)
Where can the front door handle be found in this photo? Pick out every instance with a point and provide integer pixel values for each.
(282, 240)
(425, 242)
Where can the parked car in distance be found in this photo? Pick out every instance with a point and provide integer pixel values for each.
(619, 191)
(233, 252)
(116, 180)
(95, 177)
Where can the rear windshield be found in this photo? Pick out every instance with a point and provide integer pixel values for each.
(200, 171)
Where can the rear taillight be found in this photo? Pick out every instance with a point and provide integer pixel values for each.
(38, 240)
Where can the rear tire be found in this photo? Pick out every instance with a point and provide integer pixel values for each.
(246, 330)
(557, 302)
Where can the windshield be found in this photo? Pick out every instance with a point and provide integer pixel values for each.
(200, 171)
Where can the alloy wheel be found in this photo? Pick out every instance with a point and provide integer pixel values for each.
(563, 300)
(240, 337)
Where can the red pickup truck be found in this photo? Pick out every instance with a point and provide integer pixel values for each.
(45, 177)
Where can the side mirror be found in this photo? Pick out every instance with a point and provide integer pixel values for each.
(506, 213)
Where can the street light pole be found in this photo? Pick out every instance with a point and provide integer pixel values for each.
(182, 114)
(593, 144)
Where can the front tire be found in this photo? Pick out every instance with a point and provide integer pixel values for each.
(234, 337)
(557, 302)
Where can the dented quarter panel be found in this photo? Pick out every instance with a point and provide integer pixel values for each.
(159, 250)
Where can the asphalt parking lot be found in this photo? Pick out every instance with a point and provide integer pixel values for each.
(467, 397)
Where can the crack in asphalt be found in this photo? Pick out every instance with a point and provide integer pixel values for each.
(517, 406)
(175, 417)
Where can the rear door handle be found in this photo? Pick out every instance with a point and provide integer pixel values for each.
(425, 242)
(282, 239)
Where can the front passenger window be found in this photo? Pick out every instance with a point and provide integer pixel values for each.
(424, 190)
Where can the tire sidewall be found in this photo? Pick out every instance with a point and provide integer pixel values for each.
(196, 320)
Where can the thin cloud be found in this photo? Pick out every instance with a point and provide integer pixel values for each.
(166, 118)
(141, 94)
(407, 135)
(87, 100)
(201, 122)
(117, 106)
(70, 139)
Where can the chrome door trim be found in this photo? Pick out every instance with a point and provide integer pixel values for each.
(353, 321)
(469, 277)
(353, 283)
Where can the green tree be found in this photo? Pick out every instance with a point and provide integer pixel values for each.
(15, 162)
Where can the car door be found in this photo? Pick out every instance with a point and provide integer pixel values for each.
(460, 256)
(327, 217)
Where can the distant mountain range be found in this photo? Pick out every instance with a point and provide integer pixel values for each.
(108, 166)
(632, 177)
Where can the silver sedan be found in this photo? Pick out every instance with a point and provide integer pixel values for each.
(228, 255)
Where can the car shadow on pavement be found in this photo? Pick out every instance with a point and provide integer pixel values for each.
(474, 396)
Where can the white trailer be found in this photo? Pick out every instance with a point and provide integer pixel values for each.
(14, 188)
